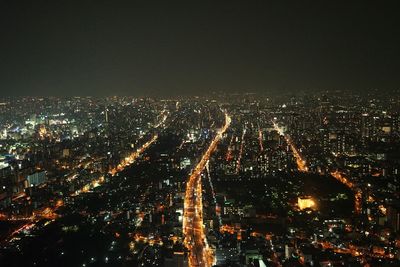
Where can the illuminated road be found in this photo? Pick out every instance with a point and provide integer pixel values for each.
(133, 156)
(214, 196)
(357, 191)
(240, 152)
(229, 156)
(301, 166)
(260, 138)
(301, 163)
(49, 212)
(195, 239)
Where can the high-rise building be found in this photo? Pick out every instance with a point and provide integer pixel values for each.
(393, 215)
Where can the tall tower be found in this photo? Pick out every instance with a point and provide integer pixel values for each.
(106, 115)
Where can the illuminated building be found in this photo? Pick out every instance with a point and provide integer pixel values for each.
(306, 203)
(36, 178)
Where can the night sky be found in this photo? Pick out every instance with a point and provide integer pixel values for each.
(194, 47)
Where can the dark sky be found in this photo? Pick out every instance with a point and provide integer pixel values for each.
(192, 47)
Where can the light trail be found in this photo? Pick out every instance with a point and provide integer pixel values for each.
(195, 240)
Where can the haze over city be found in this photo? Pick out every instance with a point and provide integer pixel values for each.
(178, 47)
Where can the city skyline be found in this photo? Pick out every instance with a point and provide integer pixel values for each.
(199, 133)
(250, 180)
